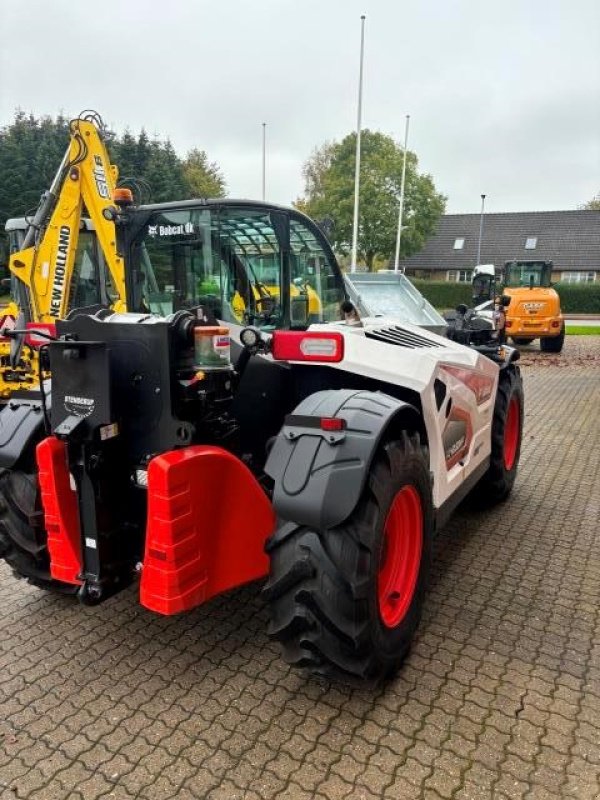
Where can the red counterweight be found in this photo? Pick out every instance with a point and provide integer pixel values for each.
(208, 520)
(61, 514)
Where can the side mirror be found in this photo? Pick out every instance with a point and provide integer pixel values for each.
(505, 300)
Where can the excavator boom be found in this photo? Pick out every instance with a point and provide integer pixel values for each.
(45, 266)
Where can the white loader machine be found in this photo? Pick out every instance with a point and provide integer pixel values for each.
(322, 456)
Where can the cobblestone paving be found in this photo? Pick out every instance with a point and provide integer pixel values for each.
(499, 698)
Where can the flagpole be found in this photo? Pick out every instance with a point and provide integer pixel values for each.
(400, 213)
(264, 160)
(357, 166)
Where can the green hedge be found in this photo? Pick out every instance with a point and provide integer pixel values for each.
(575, 298)
(444, 294)
(579, 298)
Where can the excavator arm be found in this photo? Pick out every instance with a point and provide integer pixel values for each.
(45, 265)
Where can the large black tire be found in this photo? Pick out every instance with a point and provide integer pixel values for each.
(553, 344)
(23, 539)
(325, 586)
(521, 340)
(507, 431)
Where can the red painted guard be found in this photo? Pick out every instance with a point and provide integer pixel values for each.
(208, 520)
(60, 511)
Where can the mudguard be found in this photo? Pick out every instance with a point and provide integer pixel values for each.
(320, 474)
(21, 423)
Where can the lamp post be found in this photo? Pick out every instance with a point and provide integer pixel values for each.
(399, 236)
(357, 166)
(264, 159)
(480, 231)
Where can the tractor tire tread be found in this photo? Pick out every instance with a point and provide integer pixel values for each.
(495, 486)
(320, 587)
(23, 540)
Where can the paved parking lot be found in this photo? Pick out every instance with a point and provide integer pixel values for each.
(499, 698)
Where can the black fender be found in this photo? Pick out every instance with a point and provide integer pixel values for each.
(320, 474)
(21, 426)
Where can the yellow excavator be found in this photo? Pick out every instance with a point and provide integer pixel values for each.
(61, 259)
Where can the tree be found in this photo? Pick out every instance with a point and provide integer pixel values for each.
(164, 173)
(593, 204)
(31, 150)
(329, 192)
(202, 178)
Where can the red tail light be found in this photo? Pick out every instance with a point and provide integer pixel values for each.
(308, 346)
(332, 424)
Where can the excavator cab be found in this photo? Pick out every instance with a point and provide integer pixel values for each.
(91, 282)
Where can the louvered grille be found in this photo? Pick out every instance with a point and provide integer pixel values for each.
(400, 337)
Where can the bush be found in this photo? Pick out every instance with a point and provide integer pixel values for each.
(575, 298)
(579, 298)
(444, 294)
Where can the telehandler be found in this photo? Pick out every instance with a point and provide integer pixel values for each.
(196, 444)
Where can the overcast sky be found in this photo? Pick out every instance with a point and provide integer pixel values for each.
(504, 97)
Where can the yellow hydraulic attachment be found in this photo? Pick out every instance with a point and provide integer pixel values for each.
(45, 266)
(85, 178)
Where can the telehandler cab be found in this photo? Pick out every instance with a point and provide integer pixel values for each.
(323, 454)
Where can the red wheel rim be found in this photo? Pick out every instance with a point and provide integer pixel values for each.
(400, 556)
(511, 433)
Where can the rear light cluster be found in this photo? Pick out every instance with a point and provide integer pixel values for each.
(333, 424)
(307, 346)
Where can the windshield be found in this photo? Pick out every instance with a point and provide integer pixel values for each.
(393, 295)
(91, 283)
(527, 273)
(234, 261)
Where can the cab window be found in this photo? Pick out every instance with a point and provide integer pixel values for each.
(313, 273)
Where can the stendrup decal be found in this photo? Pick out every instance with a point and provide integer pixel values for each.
(60, 271)
(170, 230)
(100, 178)
(79, 406)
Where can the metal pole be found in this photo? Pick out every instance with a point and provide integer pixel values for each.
(402, 184)
(357, 167)
(264, 160)
(480, 231)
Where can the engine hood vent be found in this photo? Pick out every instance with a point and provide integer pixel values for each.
(393, 334)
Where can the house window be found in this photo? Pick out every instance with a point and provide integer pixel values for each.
(459, 275)
(531, 243)
(459, 243)
(578, 277)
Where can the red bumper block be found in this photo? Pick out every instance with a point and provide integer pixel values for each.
(61, 513)
(208, 520)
